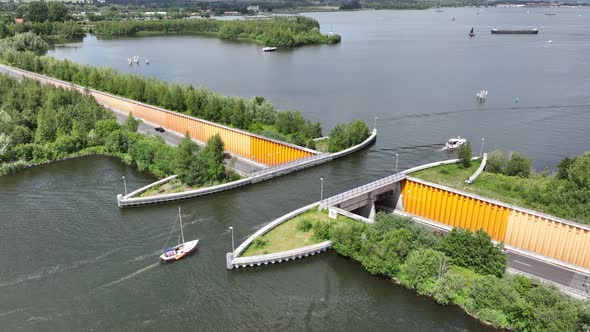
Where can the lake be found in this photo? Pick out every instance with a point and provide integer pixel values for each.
(72, 260)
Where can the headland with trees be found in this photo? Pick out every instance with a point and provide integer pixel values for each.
(277, 31)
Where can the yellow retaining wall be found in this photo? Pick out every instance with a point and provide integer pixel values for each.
(559, 239)
(564, 241)
(244, 144)
(241, 143)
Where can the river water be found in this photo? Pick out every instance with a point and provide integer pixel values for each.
(72, 260)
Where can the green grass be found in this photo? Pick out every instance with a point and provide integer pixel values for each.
(286, 236)
(452, 175)
(173, 186)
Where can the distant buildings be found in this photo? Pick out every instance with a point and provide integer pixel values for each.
(254, 9)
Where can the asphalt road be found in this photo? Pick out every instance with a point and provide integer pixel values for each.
(240, 165)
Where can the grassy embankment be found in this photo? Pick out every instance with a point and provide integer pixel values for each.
(303, 230)
(504, 188)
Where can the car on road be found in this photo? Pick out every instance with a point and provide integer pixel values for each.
(160, 129)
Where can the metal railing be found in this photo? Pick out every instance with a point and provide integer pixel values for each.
(363, 189)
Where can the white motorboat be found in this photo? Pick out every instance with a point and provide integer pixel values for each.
(269, 49)
(454, 143)
(181, 250)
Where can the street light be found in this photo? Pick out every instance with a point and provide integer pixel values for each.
(321, 189)
(481, 151)
(232, 239)
(396, 160)
(125, 184)
(375, 123)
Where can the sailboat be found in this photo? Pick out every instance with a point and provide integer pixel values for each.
(471, 34)
(181, 250)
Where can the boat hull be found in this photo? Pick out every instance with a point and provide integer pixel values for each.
(179, 252)
(515, 32)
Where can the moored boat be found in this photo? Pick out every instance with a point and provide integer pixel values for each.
(269, 49)
(515, 31)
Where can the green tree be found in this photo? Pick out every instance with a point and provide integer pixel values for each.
(185, 161)
(519, 165)
(56, 11)
(475, 251)
(464, 153)
(563, 168)
(579, 171)
(210, 160)
(497, 162)
(38, 11)
(131, 123)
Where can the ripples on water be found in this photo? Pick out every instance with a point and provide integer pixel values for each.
(72, 260)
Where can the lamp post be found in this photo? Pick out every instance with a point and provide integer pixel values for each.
(321, 189)
(375, 123)
(396, 160)
(125, 184)
(481, 151)
(232, 239)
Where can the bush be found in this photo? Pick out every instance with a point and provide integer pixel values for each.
(464, 153)
(259, 242)
(344, 136)
(496, 317)
(322, 230)
(563, 168)
(519, 165)
(475, 251)
(492, 293)
(579, 172)
(454, 286)
(496, 162)
(421, 269)
(304, 225)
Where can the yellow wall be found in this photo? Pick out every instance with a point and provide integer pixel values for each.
(243, 144)
(237, 142)
(454, 209)
(549, 237)
(520, 229)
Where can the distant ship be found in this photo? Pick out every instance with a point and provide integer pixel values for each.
(471, 34)
(515, 31)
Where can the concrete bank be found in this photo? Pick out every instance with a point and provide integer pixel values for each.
(233, 259)
(130, 200)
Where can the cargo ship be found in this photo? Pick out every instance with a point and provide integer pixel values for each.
(515, 31)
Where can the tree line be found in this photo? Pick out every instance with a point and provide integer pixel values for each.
(42, 123)
(256, 115)
(462, 268)
(45, 19)
(277, 31)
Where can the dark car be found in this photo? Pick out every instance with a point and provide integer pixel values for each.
(160, 129)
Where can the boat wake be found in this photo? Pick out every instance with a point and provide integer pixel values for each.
(142, 257)
(129, 276)
(48, 271)
(13, 311)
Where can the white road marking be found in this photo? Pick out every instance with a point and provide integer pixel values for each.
(519, 262)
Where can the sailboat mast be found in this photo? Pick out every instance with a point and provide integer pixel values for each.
(181, 231)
